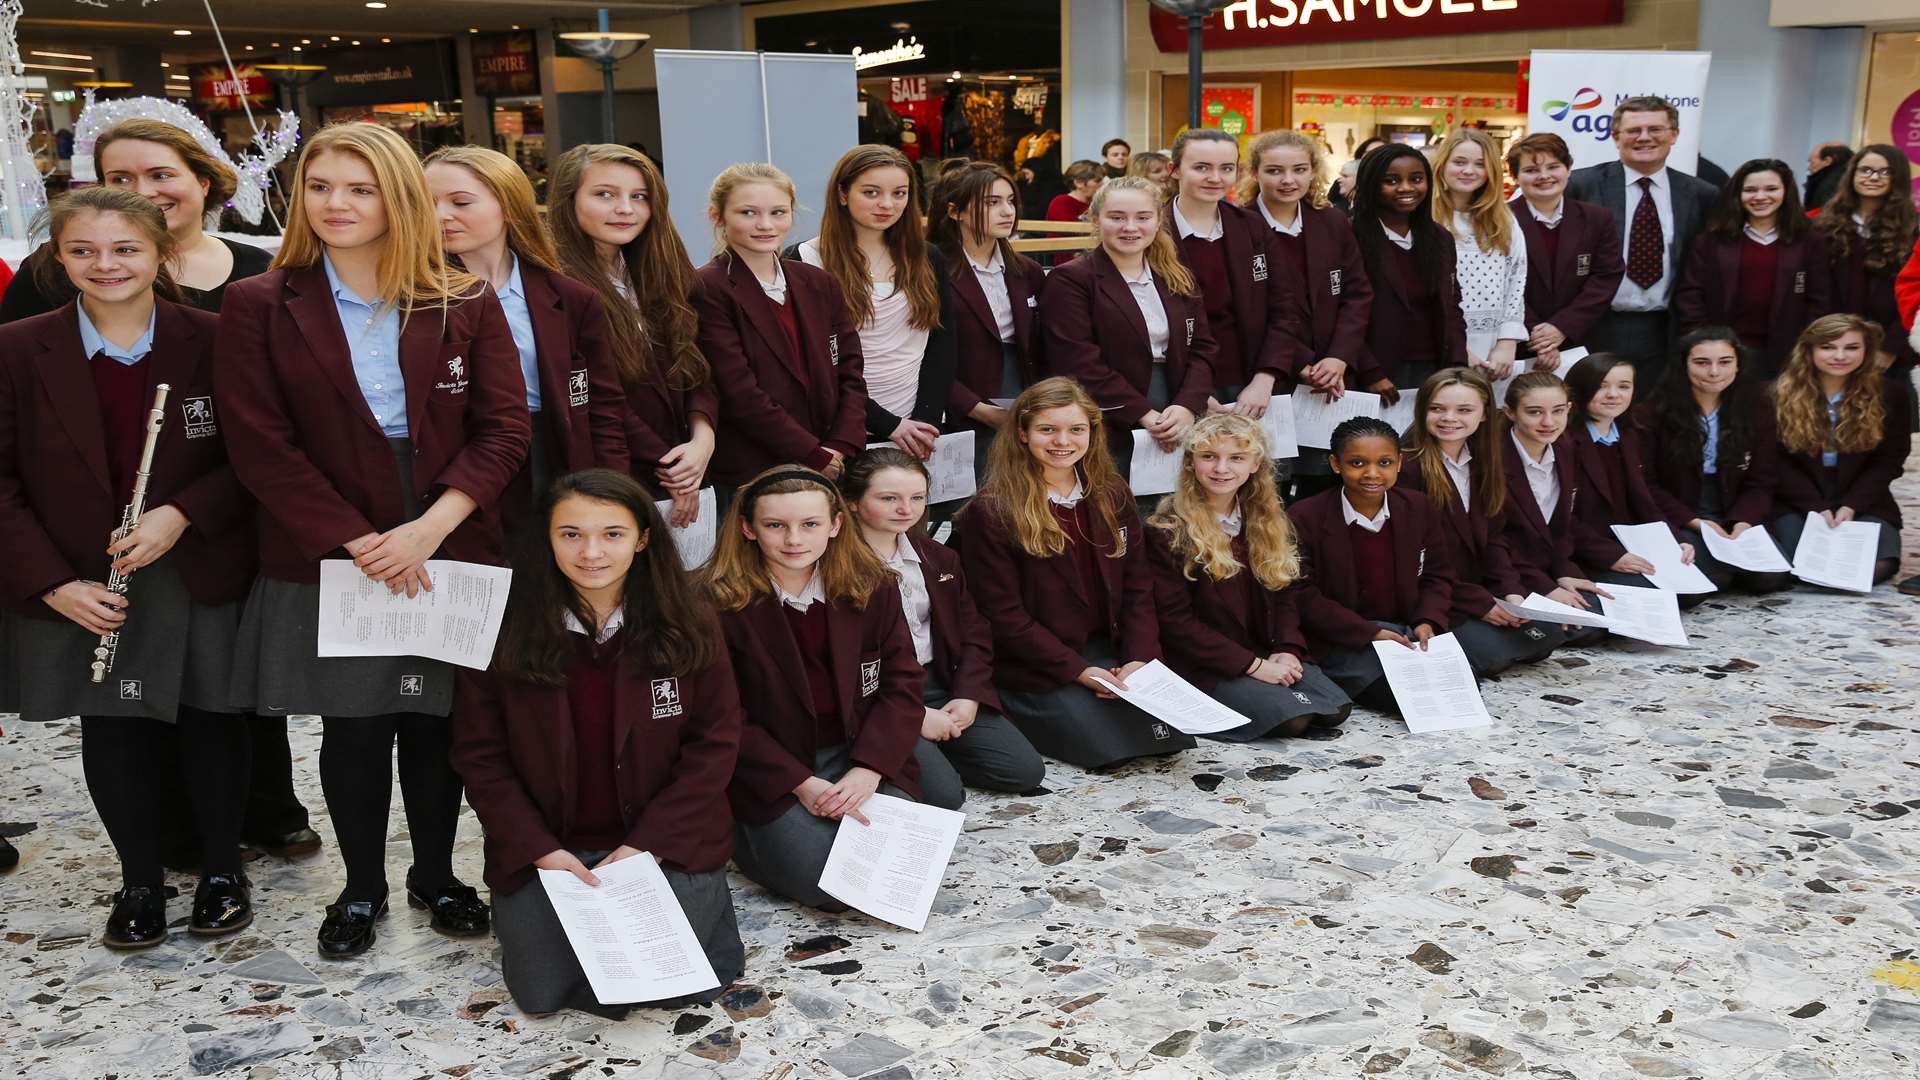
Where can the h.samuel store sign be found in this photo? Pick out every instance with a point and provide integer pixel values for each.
(1252, 24)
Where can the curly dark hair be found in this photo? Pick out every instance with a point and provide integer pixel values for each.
(1892, 228)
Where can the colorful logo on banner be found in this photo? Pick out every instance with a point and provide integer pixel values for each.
(1583, 99)
(1576, 91)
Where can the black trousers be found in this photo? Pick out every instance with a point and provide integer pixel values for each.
(128, 767)
(356, 773)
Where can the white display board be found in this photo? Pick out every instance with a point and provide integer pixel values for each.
(1573, 93)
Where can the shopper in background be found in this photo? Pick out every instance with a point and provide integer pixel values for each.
(1114, 154)
(1083, 179)
(1829, 167)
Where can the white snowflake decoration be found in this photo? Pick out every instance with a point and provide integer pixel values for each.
(23, 192)
(255, 165)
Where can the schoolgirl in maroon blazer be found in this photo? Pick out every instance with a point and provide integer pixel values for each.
(1869, 228)
(606, 728)
(1758, 267)
(77, 386)
(375, 407)
(1454, 458)
(1225, 564)
(1415, 326)
(1379, 553)
(1054, 552)
(607, 208)
(972, 211)
(1709, 452)
(1574, 264)
(886, 491)
(1128, 322)
(1543, 490)
(785, 352)
(488, 222)
(827, 676)
(1253, 295)
(1844, 437)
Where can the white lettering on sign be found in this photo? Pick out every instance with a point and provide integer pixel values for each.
(898, 52)
(1280, 14)
(910, 88)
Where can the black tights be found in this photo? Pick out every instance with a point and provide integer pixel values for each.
(356, 773)
(118, 754)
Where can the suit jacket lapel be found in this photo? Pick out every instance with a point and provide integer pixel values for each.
(1409, 557)
(776, 640)
(420, 363)
(310, 302)
(940, 609)
(1520, 493)
(1573, 237)
(966, 285)
(1597, 476)
(843, 632)
(63, 371)
(1120, 295)
(760, 314)
(1023, 329)
(173, 347)
(1728, 258)
(549, 331)
(1613, 193)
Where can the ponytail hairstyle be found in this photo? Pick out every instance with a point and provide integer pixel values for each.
(1249, 191)
(1672, 410)
(1015, 488)
(958, 202)
(50, 274)
(1163, 254)
(668, 626)
(1527, 382)
(527, 238)
(1890, 231)
(1487, 468)
(732, 178)
(1493, 224)
(1584, 378)
(906, 241)
(660, 314)
(1193, 528)
(737, 574)
(1371, 235)
(1801, 407)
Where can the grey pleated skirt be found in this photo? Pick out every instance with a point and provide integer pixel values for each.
(277, 669)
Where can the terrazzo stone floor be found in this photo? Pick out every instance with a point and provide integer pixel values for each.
(1657, 863)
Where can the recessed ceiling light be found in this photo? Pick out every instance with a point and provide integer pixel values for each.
(164, 64)
(335, 37)
(273, 44)
(473, 29)
(182, 78)
(183, 33)
(516, 26)
(902, 26)
(386, 40)
(375, 4)
(62, 55)
(296, 48)
(249, 48)
(356, 41)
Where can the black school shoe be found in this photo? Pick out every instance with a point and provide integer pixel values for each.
(348, 928)
(1911, 587)
(456, 909)
(222, 904)
(301, 841)
(139, 919)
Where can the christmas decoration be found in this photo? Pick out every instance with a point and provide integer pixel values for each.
(22, 193)
(255, 166)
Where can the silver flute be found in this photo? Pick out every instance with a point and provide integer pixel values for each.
(109, 645)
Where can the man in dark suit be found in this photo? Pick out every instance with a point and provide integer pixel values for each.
(1659, 210)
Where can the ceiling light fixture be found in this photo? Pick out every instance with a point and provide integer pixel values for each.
(59, 67)
(183, 33)
(376, 5)
(61, 55)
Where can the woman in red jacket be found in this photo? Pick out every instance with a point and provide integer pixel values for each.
(1708, 450)
(1844, 437)
(77, 385)
(606, 728)
(1225, 566)
(827, 676)
(963, 730)
(1052, 546)
(374, 405)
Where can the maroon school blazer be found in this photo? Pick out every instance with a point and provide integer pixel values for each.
(1483, 569)
(1862, 480)
(777, 408)
(1419, 549)
(1339, 296)
(1868, 293)
(1040, 615)
(1542, 551)
(1606, 505)
(1802, 290)
(1387, 324)
(877, 681)
(305, 443)
(1213, 631)
(1574, 289)
(675, 740)
(976, 376)
(1269, 305)
(581, 401)
(962, 642)
(57, 502)
(1096, 335)
(659, 416)
(1746, 485)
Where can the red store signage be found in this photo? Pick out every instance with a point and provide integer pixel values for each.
(1250, 24)
(217, 88)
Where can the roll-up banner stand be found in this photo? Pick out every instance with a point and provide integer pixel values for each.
(1573, 94)
(797, 110)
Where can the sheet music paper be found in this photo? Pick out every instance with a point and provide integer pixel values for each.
(457, 621)
(696, 541)
(1839, 558)
(950, 466)
(1434, 688)
(1163, 695)
(1523, 364)
(1315, 415)
(629, 933)
(1752, 550)
(891, 868)
(1654, 542)
(1651, 615)
(1277, 422)
(1548, 610)
(1399, 414)
(1155, 470)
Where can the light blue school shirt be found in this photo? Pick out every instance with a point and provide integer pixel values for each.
(513, 301)
(1710, 449)
(1608, 439)
(1830, 458)
(373, 341)
(92, 341)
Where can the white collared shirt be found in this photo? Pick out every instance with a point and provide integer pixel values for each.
(1551, 221)
(1461, 473)
(1299, 219)
(1071, 498)
(1758, 237)
(914, 599)
(1152, 309)
(614, 622)
(777, 291)
(993, 281)
(809, 596)
(1542, 478)
(1231, 524)
(1354, 517)
(1404, 243)
(1631, 297)
(1860, 226)
(1183, 228)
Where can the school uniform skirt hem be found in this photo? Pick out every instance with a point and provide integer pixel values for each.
(277, 669)
(1269, 706)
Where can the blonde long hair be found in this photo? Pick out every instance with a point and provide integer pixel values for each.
(413, 272)
(1800, 406)
(527, 238)
(730, 179)
(1163, 255)
(737, 574)
(1016, 489)
(1492, 221)
(1249, 187)
(1197, 536)
(906, 241)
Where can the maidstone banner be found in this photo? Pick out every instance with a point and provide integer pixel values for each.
(1572, 94)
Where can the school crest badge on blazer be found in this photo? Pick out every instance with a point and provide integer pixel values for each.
(456, 376)
(833, 349)
(197, 416)
(1259, 268)
(869, 677)
(1189, 331)
(1582, 265)
(666, 698)
(577, 387)
(1333, 281)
